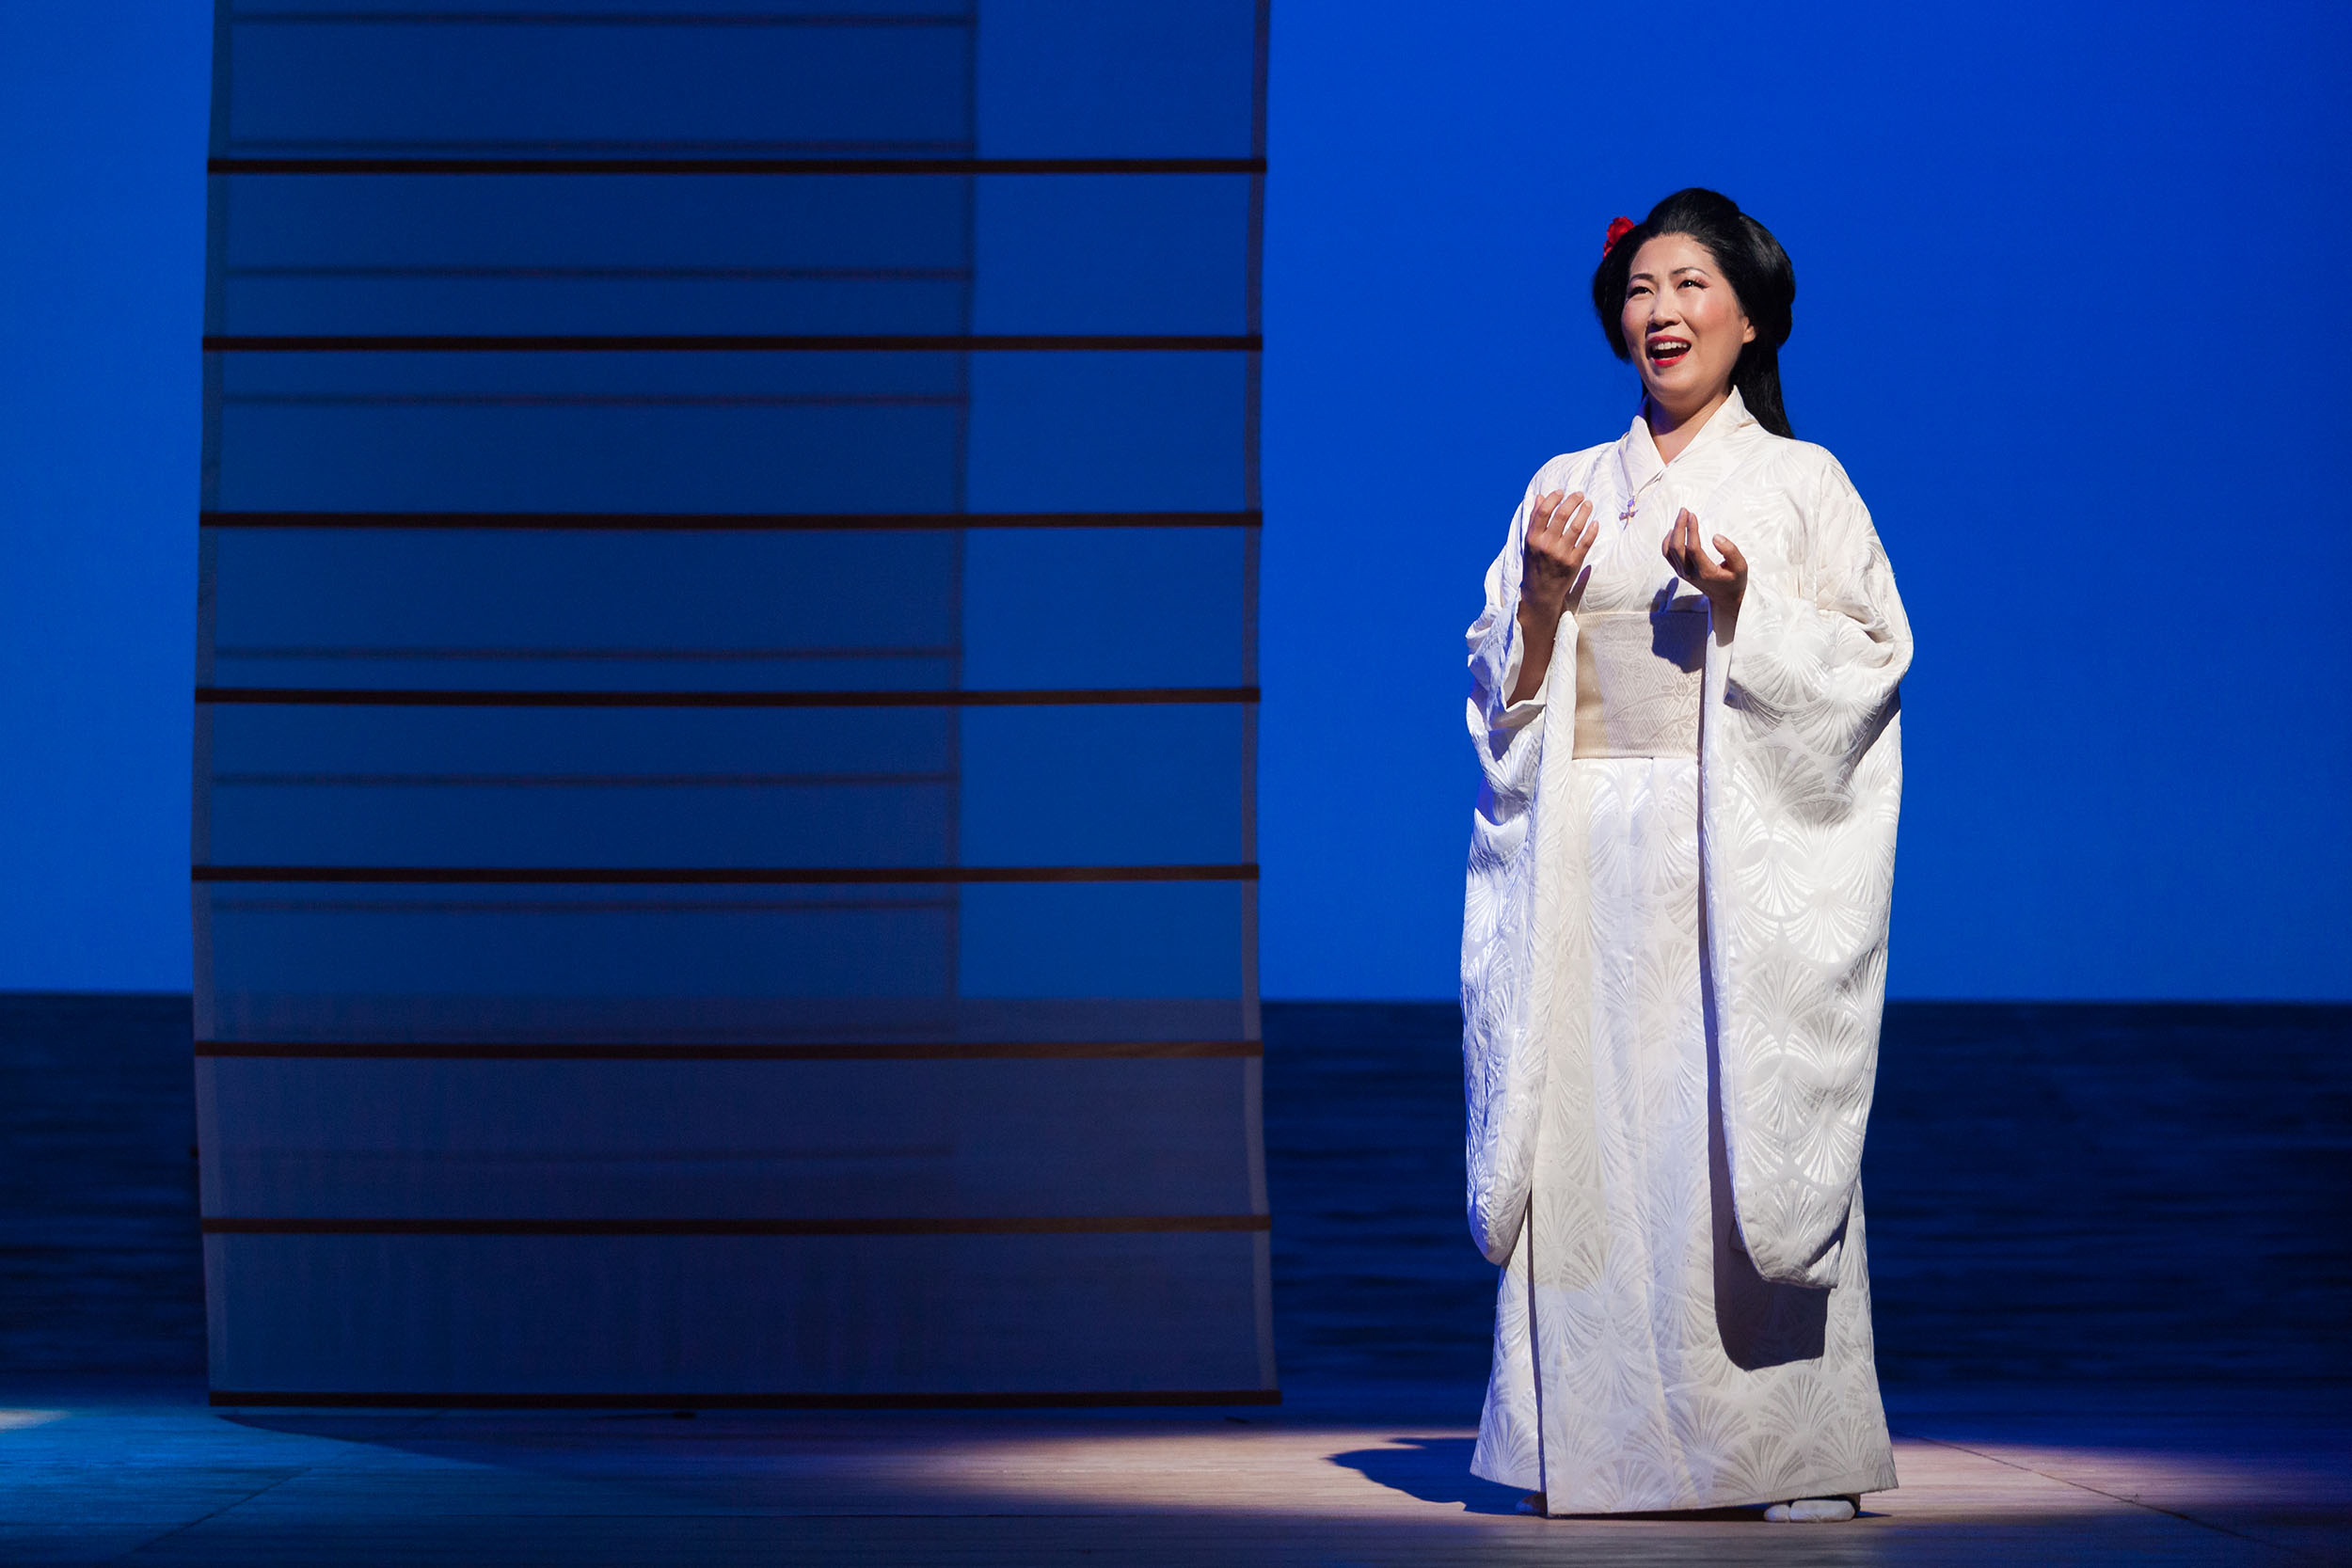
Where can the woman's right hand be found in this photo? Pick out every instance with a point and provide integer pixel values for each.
(1559, 532)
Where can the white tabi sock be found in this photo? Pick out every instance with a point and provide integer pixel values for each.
(1811, 1510)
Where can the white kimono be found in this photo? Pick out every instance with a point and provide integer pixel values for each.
(1674, 951)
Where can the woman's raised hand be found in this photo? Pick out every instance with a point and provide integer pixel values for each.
(1559, 532)
(1723, 583)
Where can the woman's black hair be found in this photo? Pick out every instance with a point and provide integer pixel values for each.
(1751, 261)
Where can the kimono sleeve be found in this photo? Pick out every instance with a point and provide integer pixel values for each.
(1800, 785)
(1504, 1064)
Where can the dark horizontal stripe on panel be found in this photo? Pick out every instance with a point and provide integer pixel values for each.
(609, 652)
(909, 1050)
(591, 399)
(739, 275)
(598, 19)
(734, 342)
(591, 165)
(1119, 1399)
(721, 876)
(569, 907)
(588, 781)
(336, 696)
(1008, 1224)
(807, 522)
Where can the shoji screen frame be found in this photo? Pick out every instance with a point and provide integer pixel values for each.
(276, 1224)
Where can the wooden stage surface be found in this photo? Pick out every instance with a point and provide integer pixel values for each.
(160, 1479)
(2109, 1264)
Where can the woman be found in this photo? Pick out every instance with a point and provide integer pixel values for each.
(1674, 938)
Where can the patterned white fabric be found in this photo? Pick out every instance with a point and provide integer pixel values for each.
(1672, 970)
(1640, 679)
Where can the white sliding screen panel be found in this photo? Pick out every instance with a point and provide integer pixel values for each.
(724, 859)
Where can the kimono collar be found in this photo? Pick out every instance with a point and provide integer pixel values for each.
(1637, 453)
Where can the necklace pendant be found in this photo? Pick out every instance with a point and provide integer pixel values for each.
(1626, 516)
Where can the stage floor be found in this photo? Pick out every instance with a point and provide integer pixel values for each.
(2110, 1268)
(2070, 1477)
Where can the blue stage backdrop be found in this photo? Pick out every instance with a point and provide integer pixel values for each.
(2064, 286)
(725, 702)
(2044, 250)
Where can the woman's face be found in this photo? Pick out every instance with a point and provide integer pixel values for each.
(1683, 323)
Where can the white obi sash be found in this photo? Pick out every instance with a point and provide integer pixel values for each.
(1639, 676)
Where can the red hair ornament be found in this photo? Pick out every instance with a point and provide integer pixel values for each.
(1618, 228)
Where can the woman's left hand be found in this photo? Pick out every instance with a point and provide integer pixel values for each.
(1723, 583)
